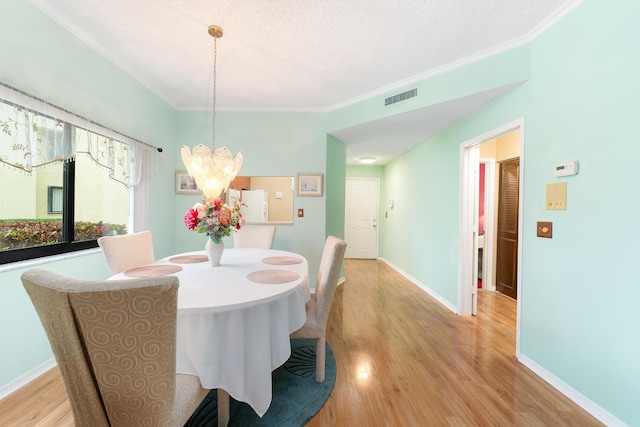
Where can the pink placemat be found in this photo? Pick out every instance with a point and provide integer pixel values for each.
(281, 260)
(189, 259)
(152, 270)
(273, 276)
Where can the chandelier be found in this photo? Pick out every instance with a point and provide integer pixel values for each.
(213, 170)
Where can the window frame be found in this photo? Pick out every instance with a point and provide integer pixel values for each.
(68, 221)
(145, 165)
(51, 189)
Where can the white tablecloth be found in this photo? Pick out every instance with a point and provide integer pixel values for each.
(232, 332)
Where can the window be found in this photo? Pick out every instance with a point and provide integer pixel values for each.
(65, 181)
(59, 208)
(54, 200)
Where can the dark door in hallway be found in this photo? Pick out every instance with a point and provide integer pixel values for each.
(507, 248)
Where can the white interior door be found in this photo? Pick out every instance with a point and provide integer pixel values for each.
(474, 175)
(361, 217)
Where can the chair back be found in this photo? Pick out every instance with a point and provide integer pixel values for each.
(256, 236)
(127, 251)
(115, 345)
(328, 275)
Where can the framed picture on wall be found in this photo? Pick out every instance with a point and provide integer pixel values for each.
(309, 184)
(185, 184)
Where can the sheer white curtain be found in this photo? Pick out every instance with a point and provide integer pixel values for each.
(34, 133)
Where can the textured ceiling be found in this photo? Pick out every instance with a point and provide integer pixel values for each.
(290, 55)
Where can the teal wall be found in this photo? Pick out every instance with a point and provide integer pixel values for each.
(479, 76)
(579, 313)
(584, 302)
(335, 186)
(278, 144)
(579, 297)
(420, 234)
(369, 171)
(43, 59)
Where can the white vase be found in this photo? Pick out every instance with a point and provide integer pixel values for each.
(214, 252)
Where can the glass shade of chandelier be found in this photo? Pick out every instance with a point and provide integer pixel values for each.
(213, 170)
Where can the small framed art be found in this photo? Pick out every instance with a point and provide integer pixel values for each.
(185, 184)
(309, 184)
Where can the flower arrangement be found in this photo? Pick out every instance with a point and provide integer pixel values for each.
(214, 218)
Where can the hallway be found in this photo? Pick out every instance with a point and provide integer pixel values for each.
(405, 360)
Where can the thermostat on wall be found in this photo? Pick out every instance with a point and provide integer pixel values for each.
(566, 169)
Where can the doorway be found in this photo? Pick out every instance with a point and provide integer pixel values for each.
(361, 217)
(469, 231)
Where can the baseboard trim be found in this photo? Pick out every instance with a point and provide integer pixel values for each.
(26, 378)
(421, 285)
(585, 403)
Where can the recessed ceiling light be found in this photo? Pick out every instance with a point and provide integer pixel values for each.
(367, 160)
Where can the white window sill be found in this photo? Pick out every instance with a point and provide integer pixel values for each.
(46, 260)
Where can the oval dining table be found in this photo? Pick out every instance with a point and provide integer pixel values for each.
(234, 320)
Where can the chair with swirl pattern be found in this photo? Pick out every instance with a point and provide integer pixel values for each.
(320, 303)
(115, 345)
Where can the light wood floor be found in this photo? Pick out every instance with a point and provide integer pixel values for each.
(403, 360)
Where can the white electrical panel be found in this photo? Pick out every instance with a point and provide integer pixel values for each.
(557, 196)
(566, 169)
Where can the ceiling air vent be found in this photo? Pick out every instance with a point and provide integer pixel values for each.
(401, 97)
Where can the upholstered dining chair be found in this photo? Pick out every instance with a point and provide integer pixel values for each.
(255, 236)
(127, 251)
(320, 303)
(115, 345)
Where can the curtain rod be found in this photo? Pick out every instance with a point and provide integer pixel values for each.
(78, 116)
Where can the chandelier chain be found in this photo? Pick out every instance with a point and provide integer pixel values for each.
(212, 170)
(213, 116)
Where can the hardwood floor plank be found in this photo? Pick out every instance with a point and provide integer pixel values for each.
(42, 402)
(428, 366)
(403, 360)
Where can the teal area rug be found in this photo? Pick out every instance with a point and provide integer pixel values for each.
(297, 397)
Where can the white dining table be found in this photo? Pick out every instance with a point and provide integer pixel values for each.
(234, 320)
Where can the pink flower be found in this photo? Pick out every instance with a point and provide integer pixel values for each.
(224, 217)
(217, 202)
(191, 219)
